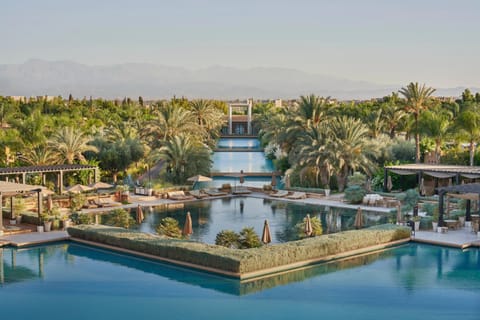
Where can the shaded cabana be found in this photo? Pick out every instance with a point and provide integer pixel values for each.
(10, 189)
(470, 192)
(58, 169)
(436, 171)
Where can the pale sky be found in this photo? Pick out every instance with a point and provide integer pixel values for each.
(382, 41)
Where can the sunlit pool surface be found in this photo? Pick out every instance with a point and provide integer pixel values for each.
(238, 143)
(235, 161)
(68, 281)
(209, 217)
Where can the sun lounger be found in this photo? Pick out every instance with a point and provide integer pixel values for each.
(241, 190)
(215, 192)
(280, 194)
(89, 204)
(198, 194)
(107, 202)
(179, 195)
(297, 195)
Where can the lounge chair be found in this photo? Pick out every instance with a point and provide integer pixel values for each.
(241, 190)
(297, 195)
(215, 192)
(178, 195)
(89, 204)
(107, 202)
(198, 194)
(280, 194)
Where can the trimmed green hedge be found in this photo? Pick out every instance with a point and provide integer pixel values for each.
(241, 261)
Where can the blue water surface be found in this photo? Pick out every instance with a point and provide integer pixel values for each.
(238, 143)
(70, 281)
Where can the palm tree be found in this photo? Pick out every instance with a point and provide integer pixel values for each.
(69, 144)
(417, 100)
(352, 150)
(436, 124)
(392, 114)
(39, 156)
(468, 125)
(184, 157)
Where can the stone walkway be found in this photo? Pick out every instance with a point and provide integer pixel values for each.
(33, 238)
(461, 238)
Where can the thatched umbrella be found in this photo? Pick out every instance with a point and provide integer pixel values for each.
(266, 236)
(287, 181)
(187, 228)
(308, 226)
(421, 187)
(100, 185)
(140, 215)
(358, 219)
(198, 178)
(78, 188)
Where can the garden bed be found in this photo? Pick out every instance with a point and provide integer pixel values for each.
(246, 263)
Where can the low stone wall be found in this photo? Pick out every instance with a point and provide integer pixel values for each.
(246, 263)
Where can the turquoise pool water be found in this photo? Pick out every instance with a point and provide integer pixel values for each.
(68, 281)
(250, 161)
(238, 143)
(209, 217)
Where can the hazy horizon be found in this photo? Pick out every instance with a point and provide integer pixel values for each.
(383, 42)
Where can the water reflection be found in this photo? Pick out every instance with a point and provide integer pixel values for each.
(212, 216)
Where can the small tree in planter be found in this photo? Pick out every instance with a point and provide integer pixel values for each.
(228, 238)
(169, 227)
(317, 229)
(119, 218)
(354, 194)
(249, 239)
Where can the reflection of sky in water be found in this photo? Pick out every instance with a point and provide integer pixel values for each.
(209, 217)
(238, 143)
(236, 161)
(409, 282)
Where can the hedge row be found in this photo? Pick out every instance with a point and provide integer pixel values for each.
(242, 261)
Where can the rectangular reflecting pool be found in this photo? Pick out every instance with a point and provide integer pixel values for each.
(70, 281)
(209, 217)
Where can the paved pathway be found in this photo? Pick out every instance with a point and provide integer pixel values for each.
(461, 238)
(32, 238)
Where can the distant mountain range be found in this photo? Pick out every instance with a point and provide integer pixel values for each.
(40, 77)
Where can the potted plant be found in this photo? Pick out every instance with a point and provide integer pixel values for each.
(326, 190)
(435, 221)
(47, 223)
(148, 189)
(416, 220)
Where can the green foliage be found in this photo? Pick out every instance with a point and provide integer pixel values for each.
(317, 229)
(119, 218)
(430, 208)
(242, 261)
(357, 179)
(81, 218)
(228, 238)
(249, 239)
(169, 227)
(77, 201)
(403, 151)
(411, 198)
(354, 194)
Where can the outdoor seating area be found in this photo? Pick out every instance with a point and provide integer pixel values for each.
(179, 195)
(297, 195)
(373, 199)
(106, 203)
(241, 190)
(198, 194)
(279, 194)
(214, 192)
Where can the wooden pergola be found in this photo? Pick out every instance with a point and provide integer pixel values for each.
(433, 170)
(58, 169)
(10, 189)
(470, 192)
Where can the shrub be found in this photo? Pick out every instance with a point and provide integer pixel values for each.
(228, 238)
(249, 239)
(411, 198)
(403, 150)
(119, 218)
(81, 218)
(355, 194)
(316, 227)
(169, 227)
(242, 261)
(357, 179)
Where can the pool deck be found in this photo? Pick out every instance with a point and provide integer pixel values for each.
(33, 238)
(462, 238)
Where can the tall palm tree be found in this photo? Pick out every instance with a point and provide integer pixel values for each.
(39, 156)
(436, 124)
(468, 125)
(392, 114)
(184, 156)
(351, 147)
(417, 99)
(69, 144)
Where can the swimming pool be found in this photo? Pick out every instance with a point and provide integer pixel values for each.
(238, 143)
(70, 281)
(209, 217)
